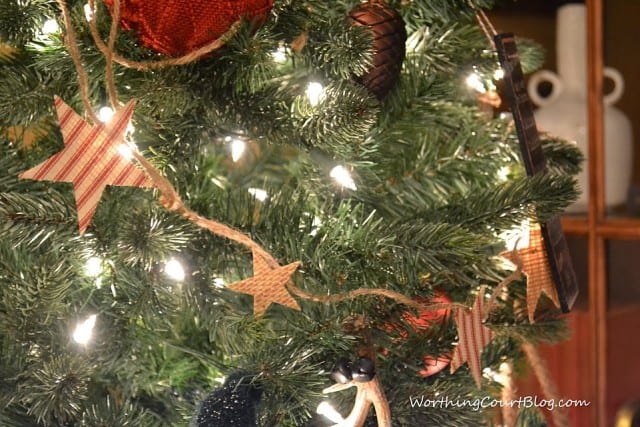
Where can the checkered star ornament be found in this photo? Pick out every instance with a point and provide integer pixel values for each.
(92, 158)
(473, 337)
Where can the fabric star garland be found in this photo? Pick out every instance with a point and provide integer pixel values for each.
(268, 285)
(92, 158)
(536, 267)
(473, 337)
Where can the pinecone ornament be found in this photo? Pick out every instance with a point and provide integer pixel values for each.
(389, 37)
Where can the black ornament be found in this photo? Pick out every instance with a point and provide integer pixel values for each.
(363, 370)
(341, 372)
(389, 37)
(232, 405)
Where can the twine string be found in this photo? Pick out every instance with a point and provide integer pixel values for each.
(170, 199)
(71, 44)
(113, 32)
(362, 292)
(549, 390)
(508, 395)
(485, 24)
(515, 275)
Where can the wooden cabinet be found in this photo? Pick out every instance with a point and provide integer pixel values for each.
(601, 361)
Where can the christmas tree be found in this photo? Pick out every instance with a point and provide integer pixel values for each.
(211, 224)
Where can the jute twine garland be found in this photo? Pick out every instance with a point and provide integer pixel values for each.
(170, 198)
(508, 395)
(549, 390)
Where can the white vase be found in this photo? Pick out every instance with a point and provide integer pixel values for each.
(563, 112)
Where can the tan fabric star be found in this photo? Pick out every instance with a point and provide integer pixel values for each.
(535, 266)
(267, 285)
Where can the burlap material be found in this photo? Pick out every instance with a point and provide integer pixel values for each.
(177, 27)
(535, 265)
(267, 285)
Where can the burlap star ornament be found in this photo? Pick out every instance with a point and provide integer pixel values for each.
(535, 266)
(268, 285)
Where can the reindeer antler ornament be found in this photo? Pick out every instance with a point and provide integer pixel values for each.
(369, 392)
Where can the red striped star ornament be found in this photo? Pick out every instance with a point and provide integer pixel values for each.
(473, 336)
(93, 157)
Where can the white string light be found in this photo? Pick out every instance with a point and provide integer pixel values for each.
(125, 151)
(88, 12)
(258, 193)
(93, 266)
(238, 148)
(84, 330)
(218, 282)
(279, 55)
(343, 177)
(50, 26)
(498, 74)
(325, 408)
(105, 114)
(503, 173)
(518, 235)
(174, 270)
(315, 92)
(474, 82)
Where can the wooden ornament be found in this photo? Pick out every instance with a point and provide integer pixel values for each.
(555, 243)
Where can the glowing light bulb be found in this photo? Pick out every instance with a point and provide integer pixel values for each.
(315, 92)
(50, 26)
(503, 173)
(105, 114)
(258, 193)
(238, 147)
(518, 235)
(501, 377)
(88, 12)
(279, 55)
(93, 266)
(218, 282)
(174, 270)
(343, 177)
(325, 408)
(84, 330)
(498, 74)
(474, 82)
(125, 151)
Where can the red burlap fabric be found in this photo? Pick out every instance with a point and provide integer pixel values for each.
(178, 27)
